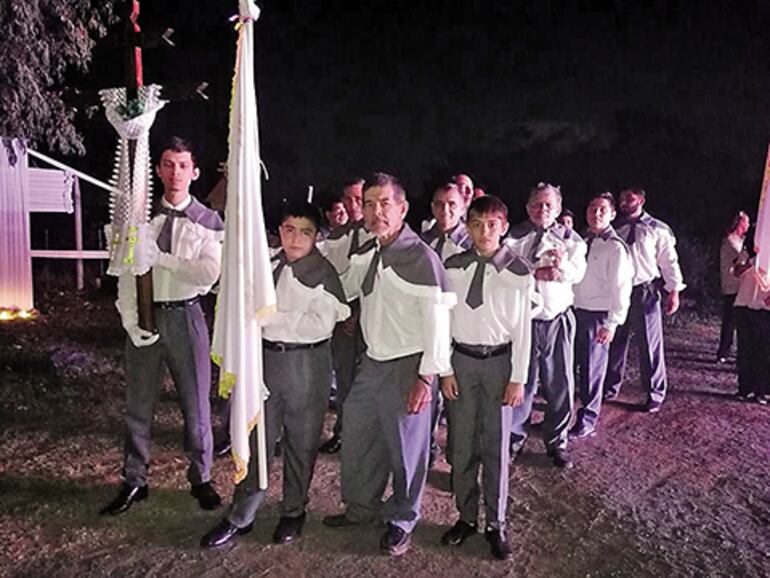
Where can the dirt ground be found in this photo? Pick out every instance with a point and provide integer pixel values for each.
(680, 493)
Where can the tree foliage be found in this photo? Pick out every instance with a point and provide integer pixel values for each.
(42, 40)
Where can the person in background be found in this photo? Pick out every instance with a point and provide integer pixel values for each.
(732, 257)
(347, 341)
(567, 218)
(465, 184)
(601, 304)
(448, 236)
(558, 257)
(653, 253)
(336, 217)
(752, 316)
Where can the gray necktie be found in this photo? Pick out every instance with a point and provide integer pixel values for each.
(167, 230)
(475, 296)
(536, 244)
(368, 285)
(440, 244)
(632, 232)
(281, 258)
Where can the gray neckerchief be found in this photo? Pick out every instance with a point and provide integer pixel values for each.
(458, 235)
(311, 270)
(195, 212)
(410, 258)
(350, 228)
(605, 235)
(503, 259)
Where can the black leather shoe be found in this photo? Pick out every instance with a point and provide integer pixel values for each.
(458, 533)
(395, 541)
(126, 498)
(332, 446)
(560, 458)
(499, 544)
(288, 529)
(223, 533)
(339, 521)
(206, 495)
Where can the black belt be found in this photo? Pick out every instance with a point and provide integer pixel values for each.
(176, 304)
(282, 347)
(481, 351)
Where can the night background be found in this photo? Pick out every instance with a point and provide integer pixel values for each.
(591, 95)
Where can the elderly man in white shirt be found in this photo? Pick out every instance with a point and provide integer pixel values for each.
(405, 304)
(188, 255)
(653, 253)
(298, 371)
(558, 255)
(601, 304)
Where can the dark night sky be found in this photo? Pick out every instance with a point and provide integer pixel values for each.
(591, 94)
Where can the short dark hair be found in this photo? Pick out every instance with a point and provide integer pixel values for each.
(636, 189)
(178, 145)
(606, 195)
(448, 186)
(567, 213)
(383, 180)
(351, 182)
(302, 209)
(487, 205)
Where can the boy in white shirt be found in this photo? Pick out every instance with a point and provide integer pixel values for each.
(491, 326)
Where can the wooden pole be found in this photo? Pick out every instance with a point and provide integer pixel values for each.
(80, 284)
(134, 80)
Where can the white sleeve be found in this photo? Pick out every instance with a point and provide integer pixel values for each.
(520, 329)
(204, 270)
(621, 276)
(668, 260)
(436, 337)
(573, 269)
(314, 323)
(352, 277)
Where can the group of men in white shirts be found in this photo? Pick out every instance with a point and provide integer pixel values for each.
(486, 315)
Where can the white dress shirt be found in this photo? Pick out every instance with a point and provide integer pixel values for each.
(557, 296)
(304, 314)
(607, 282)
(337, 246)
(730, 253)
(191, 269)
(399, 318)
(455, 242)
(653, 252)
(505, 315)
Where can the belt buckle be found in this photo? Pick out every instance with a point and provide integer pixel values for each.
(281, 347)
(485, 350)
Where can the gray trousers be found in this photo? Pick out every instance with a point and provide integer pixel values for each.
(299, 382)
(382, 440)
(184, 347)
(644, 316)
(346, 351)
(551, 365)
(590, 364)
(479, 429)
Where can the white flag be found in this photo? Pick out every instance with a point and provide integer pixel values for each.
(762, 231)
(246, 295)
